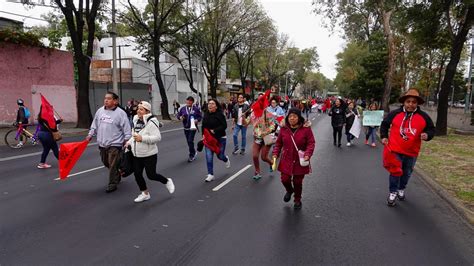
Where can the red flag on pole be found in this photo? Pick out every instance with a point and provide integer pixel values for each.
(69, 153)
(211, 142)
(391, 163)
(47, 113)
(261, 103)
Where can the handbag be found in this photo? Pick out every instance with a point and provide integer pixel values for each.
(303, 162)
(57, 135)
(126, 163)
(269, 139)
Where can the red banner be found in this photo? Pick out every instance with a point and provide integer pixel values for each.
(69, 153)
(47, 113)
(261, 103)
(211, 142)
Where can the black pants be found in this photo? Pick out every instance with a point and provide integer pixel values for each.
(48, 144)
(149, 164)
(337, 131)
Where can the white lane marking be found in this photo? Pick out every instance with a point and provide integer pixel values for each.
(31, 154)
(38, 153)
(221, 185)
(83, 172)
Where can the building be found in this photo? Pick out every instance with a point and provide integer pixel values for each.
(6, 23)
(138, 75)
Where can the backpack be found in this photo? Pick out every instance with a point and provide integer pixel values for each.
(27, 112)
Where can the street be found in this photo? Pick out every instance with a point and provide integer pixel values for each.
(344, 219)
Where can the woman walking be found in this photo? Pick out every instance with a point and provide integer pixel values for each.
(215, 123)
(296, 144)
(351, 114)
(263, 127)
(372, 130)
(145, 136)
(338, 118)
(45, 135)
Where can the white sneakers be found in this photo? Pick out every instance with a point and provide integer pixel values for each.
(401, 194)
(348, 144)
(209, 178)
(43, 166)
(142, 197)
(227, 164)
(170, 186)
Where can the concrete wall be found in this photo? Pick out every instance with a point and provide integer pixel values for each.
(28, 71)
(129, 90)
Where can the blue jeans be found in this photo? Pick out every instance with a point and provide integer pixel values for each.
(372, 133)
(400, 182)
(243, 129)
(190, 140)
(349, 137)
(210, 156)
(48, 144)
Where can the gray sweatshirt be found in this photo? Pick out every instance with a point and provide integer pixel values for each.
(112, 127)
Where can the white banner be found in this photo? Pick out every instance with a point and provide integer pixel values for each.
(355, 129)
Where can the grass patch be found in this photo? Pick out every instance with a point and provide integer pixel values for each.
(450, 161)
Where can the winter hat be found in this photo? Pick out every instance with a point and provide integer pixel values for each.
(412, 93)
(297, 112)
(146, 105)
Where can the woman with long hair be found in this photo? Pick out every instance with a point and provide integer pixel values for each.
(338, 119)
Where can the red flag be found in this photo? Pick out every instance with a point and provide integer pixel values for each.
(287, 98)
(69, 153)
(211, 142)
(391, 163)
(261, 103)
(47, 113)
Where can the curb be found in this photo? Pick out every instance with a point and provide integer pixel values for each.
(466, 214)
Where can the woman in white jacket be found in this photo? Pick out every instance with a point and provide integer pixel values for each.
(145, 136)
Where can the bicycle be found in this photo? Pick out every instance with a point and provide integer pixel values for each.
(17, 138)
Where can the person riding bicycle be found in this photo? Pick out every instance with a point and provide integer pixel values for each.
(22, 116)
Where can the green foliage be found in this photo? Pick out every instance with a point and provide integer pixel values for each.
(20, 37)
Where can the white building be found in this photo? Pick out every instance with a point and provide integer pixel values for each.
(173, 75)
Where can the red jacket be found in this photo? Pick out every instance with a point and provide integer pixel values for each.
(289, 160)
(412, 128)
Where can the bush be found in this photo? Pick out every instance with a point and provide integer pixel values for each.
(20, 37)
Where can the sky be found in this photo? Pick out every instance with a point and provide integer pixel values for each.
(292, 17)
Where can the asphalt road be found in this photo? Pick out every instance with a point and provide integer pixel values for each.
(344, 219)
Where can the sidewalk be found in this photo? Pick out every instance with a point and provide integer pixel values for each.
(69, 129)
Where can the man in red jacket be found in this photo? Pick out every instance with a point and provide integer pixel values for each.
(402, 132)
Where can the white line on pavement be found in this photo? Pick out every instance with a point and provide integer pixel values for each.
(221, 185)
(83, 172)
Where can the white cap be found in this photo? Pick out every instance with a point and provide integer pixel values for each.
(146, 105)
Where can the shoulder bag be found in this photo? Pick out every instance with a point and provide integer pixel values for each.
(303, 162)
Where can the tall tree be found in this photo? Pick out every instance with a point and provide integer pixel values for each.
(77, 18)
(159, 20)
(459, 16)
(223, 26)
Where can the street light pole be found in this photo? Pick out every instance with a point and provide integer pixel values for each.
(114, 50)
(468, 100)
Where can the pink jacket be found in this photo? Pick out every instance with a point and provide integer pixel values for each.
(289, 160)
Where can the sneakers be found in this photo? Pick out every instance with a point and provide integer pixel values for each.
(401, 195)
(242, 151)
(142, 197)
(227, 164)
(43, 166)
(209, 178)
(191, 158)
(348, 144)
(391, 199)
(287, 197)
(236, 151)
(298, 205)
(111, 188)
(366, 142)
(19, 145)
(339, 145)
(170, 185)
(373, 145)
(256, 177)
(271, 169)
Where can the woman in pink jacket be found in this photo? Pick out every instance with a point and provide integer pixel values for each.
(294, 139)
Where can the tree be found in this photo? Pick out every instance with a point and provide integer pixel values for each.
(159, 20)
(223, 26)
(460, 18)
(77, 18)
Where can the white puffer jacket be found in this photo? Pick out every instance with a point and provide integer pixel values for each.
(150, 137)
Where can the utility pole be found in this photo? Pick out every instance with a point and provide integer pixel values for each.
(120, 70)
(114, 50)
(468, 99)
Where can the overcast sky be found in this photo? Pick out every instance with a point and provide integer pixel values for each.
(292, 17)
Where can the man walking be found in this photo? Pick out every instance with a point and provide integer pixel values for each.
(190, 115)
(402, 132)
(239, 118)
(22, 118)
(112, 128)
